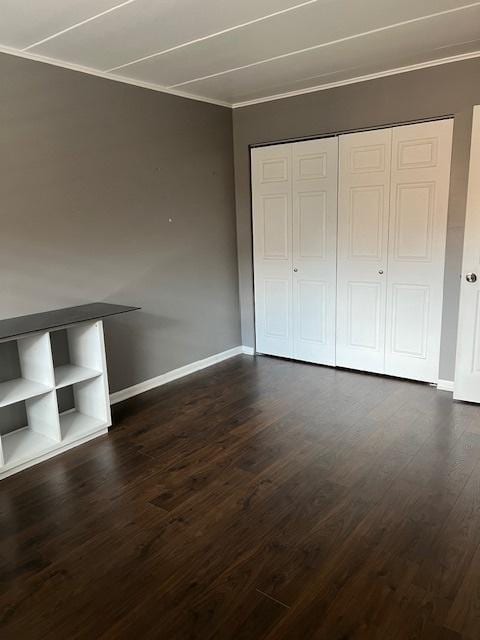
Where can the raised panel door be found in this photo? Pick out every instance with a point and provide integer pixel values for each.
(417, 233)
(363, 213)
(315, 170)
(272, 244)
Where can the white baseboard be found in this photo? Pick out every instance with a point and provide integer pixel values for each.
(175, 374)
(445, 385)
(141, 387)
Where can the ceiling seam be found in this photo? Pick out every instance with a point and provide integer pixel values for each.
(327, 44)
(212, 35)
(78, 24)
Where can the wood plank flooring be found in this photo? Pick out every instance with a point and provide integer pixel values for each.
(260, 499)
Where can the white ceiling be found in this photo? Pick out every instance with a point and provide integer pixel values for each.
(240, 51)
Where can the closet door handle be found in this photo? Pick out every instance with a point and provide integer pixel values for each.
(471, 277)
(295, 269)
(380, 271)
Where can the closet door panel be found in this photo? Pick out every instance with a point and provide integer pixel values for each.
(418, 222)
(315, 169)
(272, 226)
(364, 315)
(363, 211)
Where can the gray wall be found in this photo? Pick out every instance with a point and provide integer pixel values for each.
(447, 89)
(90, 172)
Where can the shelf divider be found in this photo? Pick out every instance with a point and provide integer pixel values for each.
(36, 362)
(42, 414)
(68, 374)
(13, 391)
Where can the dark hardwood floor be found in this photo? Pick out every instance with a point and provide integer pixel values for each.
(258, 499)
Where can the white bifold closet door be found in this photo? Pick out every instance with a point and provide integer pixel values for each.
(315, 171)
(272, 246)
(363, 208)
(420, 180)
(294, 190)
(393, 202)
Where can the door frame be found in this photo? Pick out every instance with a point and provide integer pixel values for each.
(342, 132)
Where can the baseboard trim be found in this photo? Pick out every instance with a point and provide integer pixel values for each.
(175, 374)
(445, 385)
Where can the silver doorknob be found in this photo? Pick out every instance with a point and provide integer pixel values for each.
(471, 277)
(295, 269)
(380, 271)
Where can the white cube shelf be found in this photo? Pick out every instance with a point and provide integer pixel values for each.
(41, 365)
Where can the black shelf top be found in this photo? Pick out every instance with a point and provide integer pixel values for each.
(13, 327)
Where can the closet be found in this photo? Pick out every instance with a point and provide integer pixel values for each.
(349, 248)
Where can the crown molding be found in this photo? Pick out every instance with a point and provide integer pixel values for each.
(236, 105)
(364, 78)
(109, 76)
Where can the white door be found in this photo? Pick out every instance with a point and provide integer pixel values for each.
(272, 248)
(315, 170)
(363, 208)
(420, 177)
(467, 370)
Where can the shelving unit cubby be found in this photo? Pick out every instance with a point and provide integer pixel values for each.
(53, 393)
